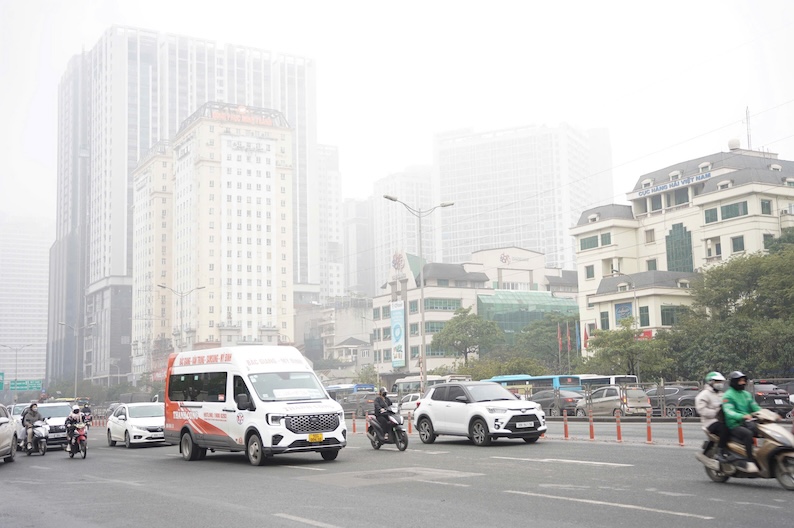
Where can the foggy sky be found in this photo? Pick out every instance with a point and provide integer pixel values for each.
(670, 80)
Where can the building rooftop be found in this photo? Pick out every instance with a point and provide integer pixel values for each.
(644, 279)
(606, 212)
(437, 270)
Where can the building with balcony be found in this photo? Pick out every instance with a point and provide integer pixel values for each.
(639, 260)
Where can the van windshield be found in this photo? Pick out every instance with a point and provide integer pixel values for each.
(287, 386)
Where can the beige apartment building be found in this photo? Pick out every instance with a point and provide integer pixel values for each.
(226, 242)
(639, 260)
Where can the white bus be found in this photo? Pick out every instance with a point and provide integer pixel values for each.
(411, 384)
(598, 380)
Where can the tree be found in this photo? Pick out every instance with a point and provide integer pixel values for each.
(623, 351)
(540, 341)
(367, 374)
(488, 367)
(466, 333)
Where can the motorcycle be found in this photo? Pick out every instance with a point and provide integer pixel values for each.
(79, 442)
(87, 419)
(774, 456)
(396, 434)
(39, 443)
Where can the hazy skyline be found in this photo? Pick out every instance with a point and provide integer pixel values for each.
(670, 83)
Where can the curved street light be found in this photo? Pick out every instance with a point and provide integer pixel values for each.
(419, 213)
(181, 296)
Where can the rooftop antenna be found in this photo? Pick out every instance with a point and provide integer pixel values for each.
(747, 120)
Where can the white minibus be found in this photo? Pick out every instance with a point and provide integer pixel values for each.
(263, 400)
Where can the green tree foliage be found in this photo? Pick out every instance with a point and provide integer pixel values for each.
(622, 351)
(539, 342)
(367, 374)
(742, 318)
(466, 333)
(500, 364)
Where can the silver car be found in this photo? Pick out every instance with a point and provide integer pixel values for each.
(616, 401)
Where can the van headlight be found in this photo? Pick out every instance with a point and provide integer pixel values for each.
(275, 419)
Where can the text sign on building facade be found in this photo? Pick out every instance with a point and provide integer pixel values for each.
(397, 334)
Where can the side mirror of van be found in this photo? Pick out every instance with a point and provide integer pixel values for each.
(243, 403)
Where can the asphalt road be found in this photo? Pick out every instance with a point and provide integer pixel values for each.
(451, 483)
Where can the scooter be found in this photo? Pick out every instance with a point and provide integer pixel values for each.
(39, 443)
(79, 443)
(774, 456)
(396, 434)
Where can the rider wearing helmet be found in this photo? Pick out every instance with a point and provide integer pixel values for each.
(71, 421)
(737, 405)
(30, 416)
(382, 408)
(708, 403)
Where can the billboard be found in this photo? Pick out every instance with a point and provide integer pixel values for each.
(397, 334)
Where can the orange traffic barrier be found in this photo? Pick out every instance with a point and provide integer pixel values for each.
(354, 423)
(565, 423)
(649, 439)
(617, 428)
(680, 428)
(592, 430)
(410, 420)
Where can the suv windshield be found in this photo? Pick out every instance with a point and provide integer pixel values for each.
(489, 392)
(287, 386)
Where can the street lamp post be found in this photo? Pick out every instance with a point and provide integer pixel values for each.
(76, 336)
(16, 365)
(182, 296)
(419, 214)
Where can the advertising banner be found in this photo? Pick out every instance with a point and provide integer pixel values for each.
(397, 334)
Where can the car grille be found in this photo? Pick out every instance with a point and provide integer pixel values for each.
(313, 423)
(155, 429)
(57, 428)
(511, 425)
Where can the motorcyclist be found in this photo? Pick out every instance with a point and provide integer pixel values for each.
(32, 415)
(71, 421)
(86, 410)
(382, 408)
(708, 403)
(737, 406)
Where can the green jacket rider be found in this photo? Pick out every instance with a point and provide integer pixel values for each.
(737, 405)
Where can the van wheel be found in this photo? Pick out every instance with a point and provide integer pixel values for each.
(329, 454)
(190, 451)
(254, 451)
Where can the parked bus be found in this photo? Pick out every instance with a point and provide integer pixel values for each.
(343, 391)
(525, 384)
(411, 384)
(598, 380)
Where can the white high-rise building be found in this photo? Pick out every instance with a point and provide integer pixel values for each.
(330, 210)
(395, 228)
(359, 261)
(134, 88)
(521, 187)
(24, 245)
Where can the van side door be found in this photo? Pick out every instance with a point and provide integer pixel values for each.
(238, 420)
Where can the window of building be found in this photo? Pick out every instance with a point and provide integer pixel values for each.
(671, 314)
(645, 317)
(589, 271)
(766, 207)
(387, 333)
(681, 196)
(704, 167)
(723, 185)
(414, 352)
(442, 305)
(789, 182)
(606, 239)
(432, 327)
(413, 307)
(386, 312)
(414, 329)
(376, 313)
(656, 202)
(588, 243)
(651, 264)
(604, 320)
(737, 244)
(679, 249)
(646, 184)
(443, 282)
(733, 210)
(650, 236)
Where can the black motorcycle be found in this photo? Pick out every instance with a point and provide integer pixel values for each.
(396, 434)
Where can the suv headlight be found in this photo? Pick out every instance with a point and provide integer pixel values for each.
(496, 410)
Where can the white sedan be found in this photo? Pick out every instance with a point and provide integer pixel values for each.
(136, 423)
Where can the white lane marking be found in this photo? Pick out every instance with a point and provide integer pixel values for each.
(611, 504)
(39, 467)
(443, 483)
(305, 521)
(759, 504)
(565, 461)
(565, 486)
(306, 468)
(430, 452)
(673, 494)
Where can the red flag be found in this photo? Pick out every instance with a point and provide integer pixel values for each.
(585, 338)
(568, 330)
(559, 338)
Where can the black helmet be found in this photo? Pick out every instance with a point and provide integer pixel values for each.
(735, 376)
(382, 391)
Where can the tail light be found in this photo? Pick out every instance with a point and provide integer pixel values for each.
(569, 399)
(417, 404)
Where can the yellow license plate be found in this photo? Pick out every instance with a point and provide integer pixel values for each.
(317, 437)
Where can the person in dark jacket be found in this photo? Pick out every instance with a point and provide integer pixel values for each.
(31, 416)
(382, 408)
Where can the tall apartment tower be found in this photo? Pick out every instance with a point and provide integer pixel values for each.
(395, 228)
(24, 243)
(359, 261)
(213, 253)
(330, 210)
(132, 89)
(522, 187)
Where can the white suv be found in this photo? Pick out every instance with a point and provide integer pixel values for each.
(479, 410)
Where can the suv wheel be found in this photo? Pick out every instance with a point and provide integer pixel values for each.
(426, 433)
(479, 433)
(580, 413)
